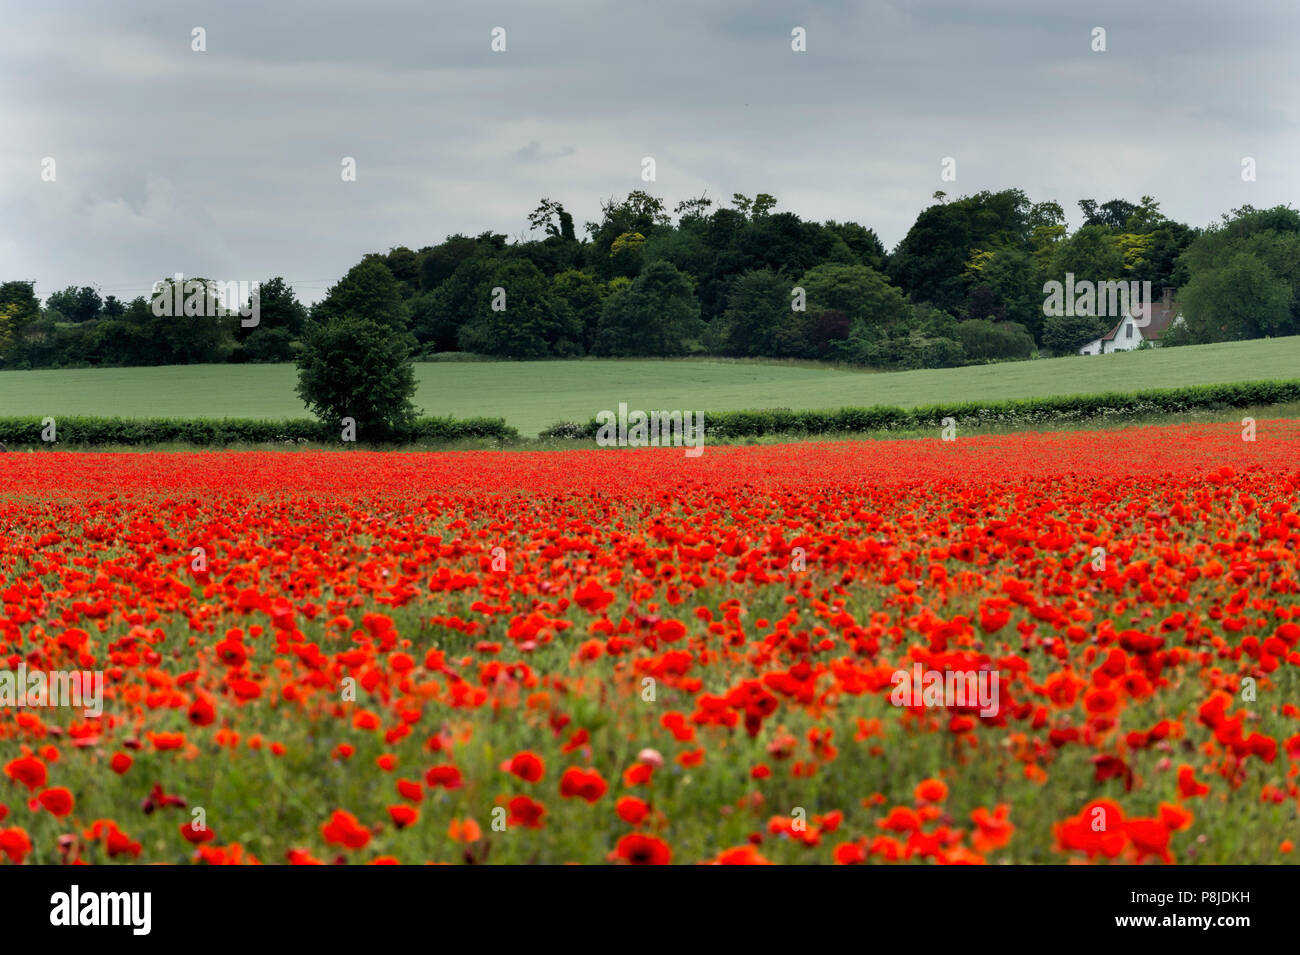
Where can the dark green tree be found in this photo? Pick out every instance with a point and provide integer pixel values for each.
(553, 220)
(436, 318)
(640, 214)
(656, 315)
(1243, 298)
(862, 242)
(205, 337)
(517, 316)
(439, 262)
(931, 264)
(23, 309)
(272, 344)
(872, 304)
(278, 307)
(369, 291)
(983, 340)
(75, 304)
(1066, 334)
(355, 368)
(1010, 274)
(1092, 253)
(583, 296)
(405, 266)
(758, 308)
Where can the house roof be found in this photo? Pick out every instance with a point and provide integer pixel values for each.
(1162, 316)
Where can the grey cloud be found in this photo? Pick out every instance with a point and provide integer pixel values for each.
(226, 163)
(534, 152)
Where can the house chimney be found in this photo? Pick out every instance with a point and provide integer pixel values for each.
(1168, 296)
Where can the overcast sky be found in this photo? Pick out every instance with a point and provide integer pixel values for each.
(227, 163)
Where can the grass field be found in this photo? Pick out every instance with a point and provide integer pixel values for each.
(533, 395)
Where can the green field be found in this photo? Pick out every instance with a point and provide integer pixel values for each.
(533, 395)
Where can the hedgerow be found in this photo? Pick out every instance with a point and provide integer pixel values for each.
(784, 421)
(221, 432)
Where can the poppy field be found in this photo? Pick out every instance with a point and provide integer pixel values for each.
(631, 656)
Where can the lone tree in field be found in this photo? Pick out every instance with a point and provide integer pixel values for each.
(354, 368)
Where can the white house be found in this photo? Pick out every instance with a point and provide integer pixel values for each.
(1131, 331)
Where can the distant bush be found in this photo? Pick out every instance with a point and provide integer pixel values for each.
(221, 432)
(565, 429)
(452, 356)
(268, 345)
(982, 340)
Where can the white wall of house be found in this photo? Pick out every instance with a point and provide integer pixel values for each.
(1127, 338)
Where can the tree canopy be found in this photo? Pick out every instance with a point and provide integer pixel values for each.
(719, 277)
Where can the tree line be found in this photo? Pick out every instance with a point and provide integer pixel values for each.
(965, 285)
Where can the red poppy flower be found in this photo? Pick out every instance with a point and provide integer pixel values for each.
(403, 815)
(740, 855)
(464, 830)
(343, 829)
(195, 833)
(525, 812)
(445, 775)
(1188, 786)
(931, 790)
(638, 774)
(850, 853)
(201, 712)
(15, 844)
(410, 790)
(527, 766)
(58, 801)
(638, 849)
(27, 770)
(632, 810)
(592, 597)
(582, 784)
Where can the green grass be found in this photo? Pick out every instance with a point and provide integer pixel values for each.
(534, 395)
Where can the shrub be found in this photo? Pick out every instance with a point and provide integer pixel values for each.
(743, 424)
(565, 429)
(221, 432)
(983, 340)
(355, 368)
(269, 345)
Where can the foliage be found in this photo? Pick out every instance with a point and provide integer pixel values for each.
(87, 431)
(982, 340)
(985, 256)
(359, 369)
(657, 315)
(525, 319)
(369, 292)
(1017, 413)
